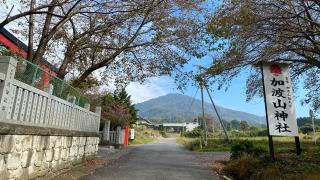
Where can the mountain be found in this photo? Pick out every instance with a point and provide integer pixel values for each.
(179, 108)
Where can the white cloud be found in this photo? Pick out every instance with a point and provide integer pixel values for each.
(153, 88)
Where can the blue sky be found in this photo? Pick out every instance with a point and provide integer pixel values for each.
(233, 98)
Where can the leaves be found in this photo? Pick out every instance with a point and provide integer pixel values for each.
(121, 40)
(118, 108)
(247, 32)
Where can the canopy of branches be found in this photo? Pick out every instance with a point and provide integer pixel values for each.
(248, 32)
(120, 40)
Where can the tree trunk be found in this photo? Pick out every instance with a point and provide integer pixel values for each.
(67, 59)
(38, 56)
(30, 35)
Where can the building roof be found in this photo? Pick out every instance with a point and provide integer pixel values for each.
(13, 39)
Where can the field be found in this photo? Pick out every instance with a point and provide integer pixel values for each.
(281, 144)
(287, 164)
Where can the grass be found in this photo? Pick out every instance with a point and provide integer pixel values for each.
(281, 144)
(145, 135)
(287, 164)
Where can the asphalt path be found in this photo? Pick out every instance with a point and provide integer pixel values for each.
(161, 160)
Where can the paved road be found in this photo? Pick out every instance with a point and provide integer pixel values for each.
(162, 160)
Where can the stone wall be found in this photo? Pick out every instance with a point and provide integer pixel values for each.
(32, 156)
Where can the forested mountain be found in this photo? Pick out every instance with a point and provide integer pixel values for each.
(177, 108)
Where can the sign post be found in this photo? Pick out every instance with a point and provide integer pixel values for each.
(279, 103)
(271, 149)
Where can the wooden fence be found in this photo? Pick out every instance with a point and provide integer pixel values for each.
(23, 104)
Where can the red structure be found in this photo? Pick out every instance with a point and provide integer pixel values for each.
(10, 42)
(126, 136)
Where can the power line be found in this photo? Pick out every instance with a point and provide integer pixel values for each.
(193, 99)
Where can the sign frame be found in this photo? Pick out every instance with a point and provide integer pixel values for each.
(270, 139)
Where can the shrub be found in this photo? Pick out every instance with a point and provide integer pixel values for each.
(245, 147)
(307, 128)
(236, 133)
(263, 132)
(163, 134)
(193, 134)
(242, 168)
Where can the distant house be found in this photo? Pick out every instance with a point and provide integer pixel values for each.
(187, 126)
(144, 122)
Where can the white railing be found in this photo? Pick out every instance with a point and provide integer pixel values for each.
(26, 105)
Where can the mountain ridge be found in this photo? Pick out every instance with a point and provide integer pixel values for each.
(177, 108)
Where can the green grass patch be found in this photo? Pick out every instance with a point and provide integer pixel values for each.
(287, 164)
(281, 144)
(145, 135)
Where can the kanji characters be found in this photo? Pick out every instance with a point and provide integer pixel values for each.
(278, 104)
(275, 82)
(278, 92)
(282, 115)
(282, 127)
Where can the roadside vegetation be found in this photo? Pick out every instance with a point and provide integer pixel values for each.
(145, 135)
(249, 153)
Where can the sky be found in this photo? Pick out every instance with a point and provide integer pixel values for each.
(234, 98)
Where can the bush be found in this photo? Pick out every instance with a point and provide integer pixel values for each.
(193, 134)
(163, 134)
(236, 133)
(242, 168)
(307, 128)
(263, 132)
(245, 147)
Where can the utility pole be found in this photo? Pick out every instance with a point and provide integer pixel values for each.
(200, 135)
(216, 110)
(204, 121)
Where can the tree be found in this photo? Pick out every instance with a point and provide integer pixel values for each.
(248, 32)
(306, 128)
(118, 108)
(235, 124)
(244, 125)
(122, 40)
(117, 113)
(123, 97)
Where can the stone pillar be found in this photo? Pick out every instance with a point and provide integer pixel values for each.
(8, 67)
(49, 89)
(119, 134)
(106, 131)
(71, 99)
(87, 106)
(98, 110)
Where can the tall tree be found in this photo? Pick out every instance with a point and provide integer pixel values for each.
(118, 108)
(121, 40)
(124, 98)
(248, 32)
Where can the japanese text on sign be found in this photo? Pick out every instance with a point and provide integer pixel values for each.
(280, 106)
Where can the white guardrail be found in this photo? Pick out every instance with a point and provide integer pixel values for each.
(23, 104)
